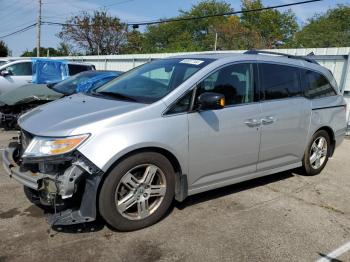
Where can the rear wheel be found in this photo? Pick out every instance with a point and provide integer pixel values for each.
(137, 192)
(317, 153)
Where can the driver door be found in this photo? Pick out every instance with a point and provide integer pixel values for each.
(224, 144)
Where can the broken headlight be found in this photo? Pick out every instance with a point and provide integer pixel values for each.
(51, 146)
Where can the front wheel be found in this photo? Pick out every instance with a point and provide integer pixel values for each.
(317, 153)
(137, 192)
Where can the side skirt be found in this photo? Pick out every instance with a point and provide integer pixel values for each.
(239, 179)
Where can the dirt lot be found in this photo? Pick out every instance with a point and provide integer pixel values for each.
(284, 217)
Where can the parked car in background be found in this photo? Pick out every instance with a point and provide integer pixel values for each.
(172, 128)
(19, 73)
(21, 99)
(5, 60)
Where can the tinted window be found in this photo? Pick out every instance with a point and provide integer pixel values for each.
(317, 85)
(235, 82)
(279, 81)
(20, 69)
(75, 69)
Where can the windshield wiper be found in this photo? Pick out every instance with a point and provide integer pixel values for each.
(116, 95)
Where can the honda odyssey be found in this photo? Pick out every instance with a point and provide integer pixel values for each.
(173, 128)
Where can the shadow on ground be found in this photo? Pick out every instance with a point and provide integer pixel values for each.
(232, 189)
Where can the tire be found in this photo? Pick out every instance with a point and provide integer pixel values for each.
(34, 198)
(131, 214)
(311, 167)
(32, 195)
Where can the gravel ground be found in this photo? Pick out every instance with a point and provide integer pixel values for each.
(283, 217)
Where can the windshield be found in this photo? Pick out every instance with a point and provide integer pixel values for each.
(152, 81)
(83, 82)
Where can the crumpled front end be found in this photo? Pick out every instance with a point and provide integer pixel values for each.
(68, 183)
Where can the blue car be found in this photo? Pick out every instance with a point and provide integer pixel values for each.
(84, 82)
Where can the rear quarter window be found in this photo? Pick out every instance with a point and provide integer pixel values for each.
(279, 81)
(317, 85)
(75, 69)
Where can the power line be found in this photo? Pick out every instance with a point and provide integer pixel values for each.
(19, 31)
(136, 24)
(222, 14)
(18, 26)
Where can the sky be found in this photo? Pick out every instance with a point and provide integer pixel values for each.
(16, 14)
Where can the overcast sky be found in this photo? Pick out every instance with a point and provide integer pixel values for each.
(16, 14)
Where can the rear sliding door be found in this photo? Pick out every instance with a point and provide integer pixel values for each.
(285, 116)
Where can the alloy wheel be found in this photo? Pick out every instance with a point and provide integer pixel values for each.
(140, 192)
(318, 152)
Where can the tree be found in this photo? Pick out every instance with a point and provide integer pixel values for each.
(64, 49)
(4, 51)
(190, 35)
(232, 35)
(134, 43)
(272, 25)
(331, 29)
(44, 51)
(95, 34)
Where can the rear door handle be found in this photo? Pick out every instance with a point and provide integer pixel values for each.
(252, 122)
(268, 120)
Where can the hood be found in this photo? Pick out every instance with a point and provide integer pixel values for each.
(29, 93)
(61, 117)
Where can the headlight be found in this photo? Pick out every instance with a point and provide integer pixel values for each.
(51, 146)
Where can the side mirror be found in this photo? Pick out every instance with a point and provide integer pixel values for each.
(5, 73)
(211, 101)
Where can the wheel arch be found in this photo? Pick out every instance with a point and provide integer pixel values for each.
(181, 187)
(330, 132)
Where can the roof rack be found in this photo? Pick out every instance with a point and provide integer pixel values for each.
(305, 58)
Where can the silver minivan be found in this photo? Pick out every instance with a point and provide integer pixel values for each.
(173, 128)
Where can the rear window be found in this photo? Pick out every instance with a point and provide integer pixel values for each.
(317, 85)
(279, 81)
(75, 69)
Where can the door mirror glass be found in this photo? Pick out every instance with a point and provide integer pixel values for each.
(211, 101)
(5, 73)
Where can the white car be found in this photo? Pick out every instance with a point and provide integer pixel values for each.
(19, 73)
(6, 60)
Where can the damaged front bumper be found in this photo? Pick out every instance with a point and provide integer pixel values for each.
(69, 184)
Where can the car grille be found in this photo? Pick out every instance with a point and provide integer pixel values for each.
(25, 138)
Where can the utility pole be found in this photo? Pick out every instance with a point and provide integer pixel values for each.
(38, 30)
(216, 41)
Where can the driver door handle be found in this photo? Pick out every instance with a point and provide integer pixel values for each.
(252, 122)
